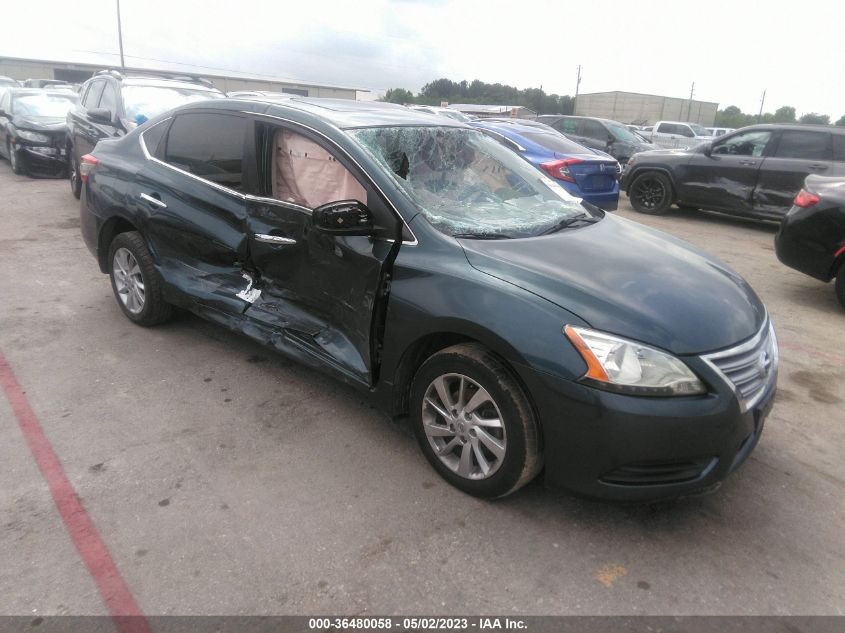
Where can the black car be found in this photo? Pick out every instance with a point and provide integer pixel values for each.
(427, 265)
(112, 104)
(32, 129)
(601, 134)
(754, 172)
(812, 235)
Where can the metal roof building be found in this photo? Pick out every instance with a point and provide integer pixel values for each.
(76, 72)
(644, 109)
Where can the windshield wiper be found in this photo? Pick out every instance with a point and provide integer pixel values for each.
(482, 236)
(581, 218)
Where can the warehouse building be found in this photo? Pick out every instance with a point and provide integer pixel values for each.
(643, 109)
(72, 72)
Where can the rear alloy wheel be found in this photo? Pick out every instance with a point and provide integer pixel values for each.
(14, 159)
(75, 177)
(474, 423)
(135, 281)
(651, 193)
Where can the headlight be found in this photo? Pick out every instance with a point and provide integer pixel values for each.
(35, 137)
(625, 366)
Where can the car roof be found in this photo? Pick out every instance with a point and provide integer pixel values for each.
(42, 91)
(164, 82)
(345, 113)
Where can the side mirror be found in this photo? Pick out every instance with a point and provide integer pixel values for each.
(708, 149)
(99, 115)
(3, 112)
(345, 217)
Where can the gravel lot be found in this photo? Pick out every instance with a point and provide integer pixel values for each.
(225, 479)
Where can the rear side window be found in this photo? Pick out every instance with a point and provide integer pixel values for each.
(567, 126)
(152, 137)
(839, 147)
(805, 145)
(92, 97)
(555, 143)
(210, 146)
(594, 130)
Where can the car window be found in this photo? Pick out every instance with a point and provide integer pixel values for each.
(305, 173)
(744, 144)
(92, 97)
(839, 147)
(208, 145)
(108, 100)
(667, 128)
(46, 104)
(555, 142)
(466, 183)
(141, 103)
(152, 137)
(567, 126)
(594, 130)
(806, 145)
(686, 130)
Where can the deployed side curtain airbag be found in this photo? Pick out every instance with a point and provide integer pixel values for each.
(306, 174)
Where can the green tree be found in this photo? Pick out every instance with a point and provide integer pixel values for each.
(841, 121)
(784, 114)
(398, 95)
(813, 117)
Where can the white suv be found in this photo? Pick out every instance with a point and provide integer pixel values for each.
(678, 135)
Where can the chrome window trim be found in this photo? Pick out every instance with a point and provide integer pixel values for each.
(766, 330)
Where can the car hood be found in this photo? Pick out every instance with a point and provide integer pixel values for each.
(629, 280)
(40, 123)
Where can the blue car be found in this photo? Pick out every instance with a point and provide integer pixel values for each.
(583, 172)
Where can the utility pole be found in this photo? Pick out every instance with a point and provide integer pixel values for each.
(762, 101)
(689, 105)
(577, 86)
(120, 36)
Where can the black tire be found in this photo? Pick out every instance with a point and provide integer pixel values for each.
(154, 309)
(522, 458)
(15, 160)
(651, 193)
(73, 170)
(840, 285)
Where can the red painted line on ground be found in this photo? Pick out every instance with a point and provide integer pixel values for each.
(124, 610)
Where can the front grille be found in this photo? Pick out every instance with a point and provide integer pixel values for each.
(750, 367)
(658, 473)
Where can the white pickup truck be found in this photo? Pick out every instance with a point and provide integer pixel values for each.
(676, 134)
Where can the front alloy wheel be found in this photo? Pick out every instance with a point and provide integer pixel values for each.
(464, 427)
(14, 159)
(651, 193)
(474, 422)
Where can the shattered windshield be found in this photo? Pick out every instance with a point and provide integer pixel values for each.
(467, 184)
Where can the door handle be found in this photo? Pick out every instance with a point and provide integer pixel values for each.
(818, 166)
(152, 200)
(278, 240)
(749, 163)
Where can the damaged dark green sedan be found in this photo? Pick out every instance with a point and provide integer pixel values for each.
(431, 267)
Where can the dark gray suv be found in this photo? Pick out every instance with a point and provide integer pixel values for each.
(753, 172)
(601, 134)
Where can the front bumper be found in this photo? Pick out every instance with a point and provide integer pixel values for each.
(42, 157)
(611, 446)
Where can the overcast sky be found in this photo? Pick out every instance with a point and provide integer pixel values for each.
(732, 50)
